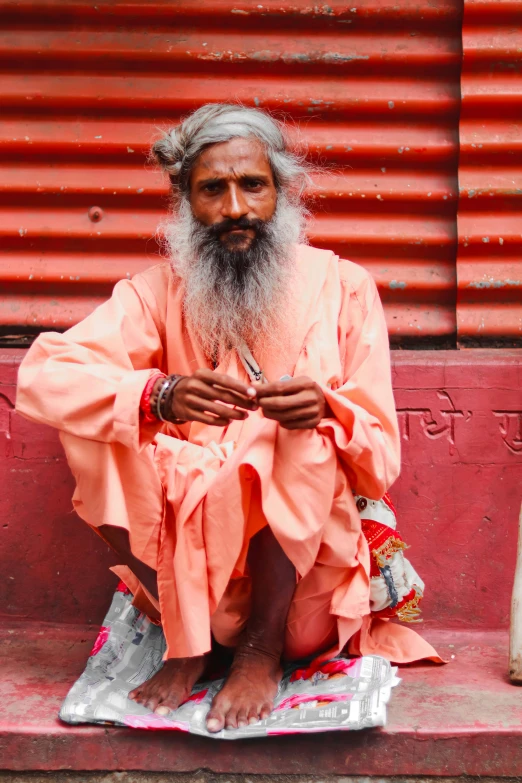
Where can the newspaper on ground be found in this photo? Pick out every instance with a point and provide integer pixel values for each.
(335, 695)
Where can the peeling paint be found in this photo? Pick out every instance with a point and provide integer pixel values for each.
(491, 283)
(335, 57)
(391, 105)
(397, 284)
(286, 57)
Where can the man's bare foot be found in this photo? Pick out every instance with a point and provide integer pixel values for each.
(248, 693)
(171, 685)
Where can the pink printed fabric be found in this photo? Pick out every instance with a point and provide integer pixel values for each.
(334, 695)
(100, 640)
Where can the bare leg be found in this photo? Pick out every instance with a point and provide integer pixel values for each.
(249, 692)
(118, 539)
(172, 684)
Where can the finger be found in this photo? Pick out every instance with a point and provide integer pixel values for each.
(309, 418)
(250, 392)
(296, 414)
(207, 418)
(223, 411)
(226, 382)
(301, 400)
(284, 388)
(201, 389)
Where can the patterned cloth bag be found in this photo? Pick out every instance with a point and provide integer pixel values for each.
(396, 589)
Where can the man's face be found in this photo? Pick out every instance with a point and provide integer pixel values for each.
(232, 190)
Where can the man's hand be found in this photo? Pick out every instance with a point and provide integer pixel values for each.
(297, 404)
(200, 397)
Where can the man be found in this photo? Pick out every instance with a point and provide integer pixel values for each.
(219, 412)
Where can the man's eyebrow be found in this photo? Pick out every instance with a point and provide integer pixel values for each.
(260, 177)
(218, 180)
(211, 181)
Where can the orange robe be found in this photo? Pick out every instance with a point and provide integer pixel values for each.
(192, 496)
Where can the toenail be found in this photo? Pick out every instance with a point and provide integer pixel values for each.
(162, 710)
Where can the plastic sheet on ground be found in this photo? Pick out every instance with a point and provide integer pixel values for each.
(339, 694)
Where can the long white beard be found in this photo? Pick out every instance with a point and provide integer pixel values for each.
(233, 297)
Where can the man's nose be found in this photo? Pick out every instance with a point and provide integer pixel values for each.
(234, 204)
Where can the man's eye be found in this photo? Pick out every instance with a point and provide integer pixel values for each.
(253, 184)
(213, 187)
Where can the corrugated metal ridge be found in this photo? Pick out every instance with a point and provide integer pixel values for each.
(297, 11)
(373, 85)
(489, 303)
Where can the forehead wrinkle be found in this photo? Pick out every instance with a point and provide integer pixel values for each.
(235, 173)
(227, 157)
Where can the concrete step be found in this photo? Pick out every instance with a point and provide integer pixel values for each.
(463, 718)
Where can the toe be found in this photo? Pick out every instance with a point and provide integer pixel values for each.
(170, 703)
(242, 717)
(231, 719)
(215, 721)
(253, 715)
(162, 710)
(151, 703)
(265, 711)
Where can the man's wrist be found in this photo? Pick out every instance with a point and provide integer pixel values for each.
(149, 397)
(164, 406)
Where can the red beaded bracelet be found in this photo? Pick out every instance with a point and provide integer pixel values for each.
(145, 403)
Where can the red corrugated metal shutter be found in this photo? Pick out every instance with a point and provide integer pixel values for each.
(490, 212)
(374, 85)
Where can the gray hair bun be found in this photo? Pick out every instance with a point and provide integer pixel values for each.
(178, 149)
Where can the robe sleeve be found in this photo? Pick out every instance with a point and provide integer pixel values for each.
(88, 381)
(365, 429)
